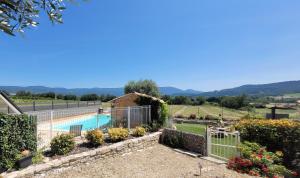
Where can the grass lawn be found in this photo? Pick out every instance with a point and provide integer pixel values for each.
(192, 128)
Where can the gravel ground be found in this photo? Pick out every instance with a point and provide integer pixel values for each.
(158, 161)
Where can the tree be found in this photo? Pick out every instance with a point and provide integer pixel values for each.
(234, 102)
(214, 100)
(106, 98)
(59, 96)
(23, 93)
(70, 97)
(17, 15)
(167, 99)
(47, 95)
(199, 100)
(148, 87)
(181, 100)
(89, 97)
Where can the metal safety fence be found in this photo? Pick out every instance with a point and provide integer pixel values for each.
(79, 120)
(130, 117)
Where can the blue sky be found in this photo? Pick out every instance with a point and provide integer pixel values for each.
(204, 45)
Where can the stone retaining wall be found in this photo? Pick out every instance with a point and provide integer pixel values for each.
(184, 140)
(99, 153)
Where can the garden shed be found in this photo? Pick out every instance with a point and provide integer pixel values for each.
(158, 108)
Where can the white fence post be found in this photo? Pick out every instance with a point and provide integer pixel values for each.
(128, 117)
(208, 133)
(150, 119)
(51, 124)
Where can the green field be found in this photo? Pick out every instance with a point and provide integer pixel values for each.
(192, 128)
(292, 95)
(207, 109)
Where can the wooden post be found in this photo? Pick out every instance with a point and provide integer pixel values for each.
(273, 113)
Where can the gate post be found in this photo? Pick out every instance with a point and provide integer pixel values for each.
(51, 124)
(208, 141)
(128, 117)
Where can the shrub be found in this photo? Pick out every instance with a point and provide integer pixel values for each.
(210, 117)
(256, 161)
(139, 132)
(193, 116)
(276, 135)
(62, 144)
(117, 134)
(163, 114)
(17, 133)
(38, 157)
(95, 137)
(179, 116)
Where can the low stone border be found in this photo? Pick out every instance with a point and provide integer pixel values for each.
(119, 148)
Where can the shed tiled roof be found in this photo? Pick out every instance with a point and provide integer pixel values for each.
(139, 94)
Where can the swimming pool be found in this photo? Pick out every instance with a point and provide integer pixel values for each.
(88, 123)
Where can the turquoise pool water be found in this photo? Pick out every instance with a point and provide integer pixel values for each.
(88, 123)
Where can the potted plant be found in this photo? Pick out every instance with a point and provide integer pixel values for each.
(24, 159)
(2, 169)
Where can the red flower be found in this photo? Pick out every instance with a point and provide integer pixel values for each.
(265, 169)
(295, 173)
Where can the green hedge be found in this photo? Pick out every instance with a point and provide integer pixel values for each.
(17, 133)
(276, 135)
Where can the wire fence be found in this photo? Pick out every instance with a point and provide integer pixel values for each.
(130, 117)
(51, 105)
(79, 120)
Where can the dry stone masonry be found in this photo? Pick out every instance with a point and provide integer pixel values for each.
(113, 150)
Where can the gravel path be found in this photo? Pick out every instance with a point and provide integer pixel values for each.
(155, 162)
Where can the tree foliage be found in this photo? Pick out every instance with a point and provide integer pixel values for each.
(17, 15)
(234, 102)
(148, 87)
(89, 97)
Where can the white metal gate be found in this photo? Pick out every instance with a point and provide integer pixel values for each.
(222, 144)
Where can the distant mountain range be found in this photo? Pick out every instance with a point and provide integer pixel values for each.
(99, 91)
(273, 89)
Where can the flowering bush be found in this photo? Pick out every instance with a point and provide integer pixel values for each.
(95, 137)
(139, 132)
(117, 134)
(283, 135)
(256, 161)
